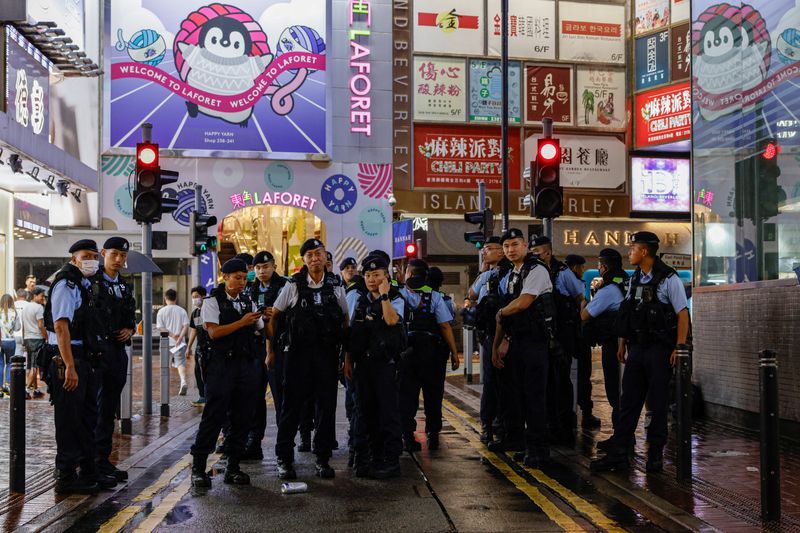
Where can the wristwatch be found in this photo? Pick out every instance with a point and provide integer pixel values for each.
(384, 298)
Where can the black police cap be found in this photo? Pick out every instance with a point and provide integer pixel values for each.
(610, 254)
(117, 243)
(644, 237)
(374, 262)
(234, 265)
(83, 244)
(247, 258)
(346, 262)
(435, 277)
(381, 253)
(310, 244)
(574, 259)
(540, 241)
(263, 257)
(494, 239)
(512, 233)
(329, 256)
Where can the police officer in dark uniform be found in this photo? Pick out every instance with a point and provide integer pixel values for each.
(113, 299)
(377, 338)
(654, 321)
(234, 372)
(316, 313)
(599, 319)
(263, 291)
(348, 269)
(527, 320)
(352, 281)
(68, 362)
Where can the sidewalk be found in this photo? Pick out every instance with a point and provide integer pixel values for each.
(725, 489)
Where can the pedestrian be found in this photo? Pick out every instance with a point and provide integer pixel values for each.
(114, 302)
(424, 369)
(34, 335)
(199, 341)
(174, 320)
(30, 284)
(377, 338)
(653, 322)
(316, 314)
(10, 324)
(69, 363)
(527, 320)
(232, 320)
(599, 319)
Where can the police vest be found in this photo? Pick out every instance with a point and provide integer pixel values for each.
(316, 317)
(266, 298)
(114, 301)
(491, 303)
(644, 319)
(242, 341)
(370, 335)
(567, 308)
(201, 335)
(86, 324)
(357, 283)
(538, 320)
(423, 317)
(603, 327)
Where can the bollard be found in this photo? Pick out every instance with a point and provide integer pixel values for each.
(165, 355)
(16, 424)
(770, 457)
(126, 397)
(683, 399)
(468, 349)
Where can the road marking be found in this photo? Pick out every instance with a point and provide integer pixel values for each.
(118, 521)
(167, 504)
(590, 511)
(163, 480)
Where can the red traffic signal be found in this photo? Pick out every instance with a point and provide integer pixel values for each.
(411, 250)
(146, 155)
(549, 151)
(771, 150)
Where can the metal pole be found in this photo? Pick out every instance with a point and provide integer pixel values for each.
(468, 349)
(770, 457)
(547, 227)
(198, 195)
(504, 109)
(126, 398)
(16, 423)
(683, 396)
(147, 306)
(164, 351)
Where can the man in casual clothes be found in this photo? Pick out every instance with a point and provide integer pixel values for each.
(30, 284)
(175, 321)
(33, 335)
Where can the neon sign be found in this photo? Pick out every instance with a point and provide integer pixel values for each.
(360, 82)
(246, 199)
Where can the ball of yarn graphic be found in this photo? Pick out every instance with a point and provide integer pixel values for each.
(300, 39)
(147, 47)
(788, 47)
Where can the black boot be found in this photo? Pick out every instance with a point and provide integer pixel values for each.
(433, 441)
(286, 469)
(486, 433)
(505, 445)
(105, 467)
(253, 451)
(305, 442)
(589, 421)
(200, 479)
(68, 482)
(386, 469)
(361, 466)
(351, 458)
(410, 444)
(324, 469)
(234, 474)
(655, 459)
(614, 460)
(90, 473)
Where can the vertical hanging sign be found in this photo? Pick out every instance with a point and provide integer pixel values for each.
(360, 22)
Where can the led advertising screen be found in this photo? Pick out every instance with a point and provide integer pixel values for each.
(660, 185)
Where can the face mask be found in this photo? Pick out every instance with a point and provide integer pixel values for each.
(197, 301)
(251, 275)
(88, 267)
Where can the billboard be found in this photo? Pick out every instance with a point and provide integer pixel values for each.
(681, 11)
(219, 78)
(650, 15)
(486, 91)
(652, 60)
(449, 27)
(592, 35)
(589, 161)
(681, 52)
(67, 14)
(440, 86)
(601, 98)
(532, 29)
(548, 94)
(663, 115)
(660, 185)
(27, 86)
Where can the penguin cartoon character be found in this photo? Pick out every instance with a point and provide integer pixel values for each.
(221, 64)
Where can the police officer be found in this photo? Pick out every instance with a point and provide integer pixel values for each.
(234, 372)
(654, 321)
(316, 313)
(113, 299)
(377, 337)
(198, 338)
(348, 269)
(431, 337)
(599, 319)
(352, 281)
(263, 291)
(527, 320)
(72, 336)
(435, 281)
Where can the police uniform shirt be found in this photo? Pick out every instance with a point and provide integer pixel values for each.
(114, 280)
(412, 298)
(481, 285)
(260, 288)
(64, 301)
(669, 291)
(607, 298)
(440, 308)
(210, 310)
(288, 296)
(352, 302)
(535, 283)
(568, 284)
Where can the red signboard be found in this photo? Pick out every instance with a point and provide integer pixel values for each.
(663, 115)
(458, 157)
(548, 93)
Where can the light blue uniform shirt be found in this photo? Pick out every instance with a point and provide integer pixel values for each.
(568, 284)
(64, 301)
(352, 301)
(438, 306)
(608, 298)
(669, 291)
(412, 298)
(481, 285)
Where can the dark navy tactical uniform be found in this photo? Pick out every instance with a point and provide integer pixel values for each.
(355, 286)
(201, 350)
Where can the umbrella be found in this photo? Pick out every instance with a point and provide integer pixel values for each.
(137, 263)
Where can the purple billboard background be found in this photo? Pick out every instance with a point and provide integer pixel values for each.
(148, 33)
(27, 69)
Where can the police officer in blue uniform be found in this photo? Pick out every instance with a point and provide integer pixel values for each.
(599, 319)
(377, 338)
(435, 281)
(68, 362)
(263, 291)
(527, 320)
(654, 321)
(231, 319)
(348, 270)
(113, 299)
(352, 281)
(316, 311)
(431, 338)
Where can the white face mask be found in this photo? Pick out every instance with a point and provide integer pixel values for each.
(197, 301)
(89, 267)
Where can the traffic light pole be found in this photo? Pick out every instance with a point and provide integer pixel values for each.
(147, 305)
(196, 281)
(547, 133)
(504, 109)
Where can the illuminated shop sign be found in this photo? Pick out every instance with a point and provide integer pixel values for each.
(246, 199)
(360, 83)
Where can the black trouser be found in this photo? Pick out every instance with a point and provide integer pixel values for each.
(274, 379)
(350, 409)
(647, 375)
(198, 373)
(423, 370)
(377, 415)
(611, 377)
(583, 353)
(560, 415)
(311, 374)
(111, 375)
(509, 398)
(231, 390)
(75, 415)
(307, 418)
(489, 394)
(530, 365)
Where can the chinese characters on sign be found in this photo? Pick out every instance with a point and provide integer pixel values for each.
(548, 93)
(440, 87)
(486, 91)
(28, 84)
(460, 157)
(705, 197)
(663, 115)
(601, 98)
(360, 19)
(590, 34)
(650, 15)
(247, 199)
(588, 161)
(532, 29)
(449, 26)
(681, 52)
(652, 60)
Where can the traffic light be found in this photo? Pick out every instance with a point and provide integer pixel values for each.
(548, 195)
(485, 221)
(770, 194)
(148, 200)
(411, 251)
(198, 233)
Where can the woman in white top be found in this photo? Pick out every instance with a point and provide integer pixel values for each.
(9, 323)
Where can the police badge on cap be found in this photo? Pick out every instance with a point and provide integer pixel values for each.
(263, 257)
(83, 244)
(117, 243)
(374, 263)
(310, 244)
(512, 233)
(644, 237)
(234, 265)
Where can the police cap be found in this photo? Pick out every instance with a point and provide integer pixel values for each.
(574, 259)
(247, 258)
(346, 262)
(234, 265)
(310, 244)
(610, 255)
(512, 233)
(494, 239)
(374, 262)
(83, 244)
(329, 256)
(435, 277)
(263, 257)
(381, 253)
(644, 237)
(117, 243)
(540, 241)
